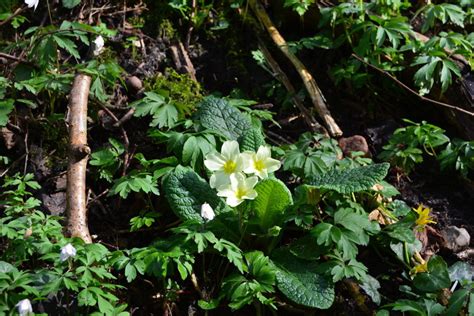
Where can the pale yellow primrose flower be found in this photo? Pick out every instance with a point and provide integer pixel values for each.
(260, 163)
(424, 216)
(240, 189)
(224, 164)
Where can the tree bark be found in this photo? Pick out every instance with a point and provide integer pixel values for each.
(78, 155)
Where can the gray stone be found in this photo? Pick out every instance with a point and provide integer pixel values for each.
(456, 239)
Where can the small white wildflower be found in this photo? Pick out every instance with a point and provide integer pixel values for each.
(32, 3)
(207, 212)
(24, 307)
(67, 252)
(240, 189)
(260, 163)
(224, 164)
(98, 45)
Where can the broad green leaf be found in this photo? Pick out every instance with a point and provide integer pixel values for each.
(186, 191)
(217, 115)
(435, 279)
(457, 301)
(271, 202)
(251, 140)
(298, 281)
(69, 4)
(6, 106)
(351, 180)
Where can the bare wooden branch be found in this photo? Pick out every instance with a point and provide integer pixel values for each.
(283, 78)
(308, 80)
(181, 59)
(78, 155)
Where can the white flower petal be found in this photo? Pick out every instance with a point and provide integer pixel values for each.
(233, 201)
(32, 3)
(24, 307)
(263, 152)
(219, 179)
(251, 182)
(214, 162)
(272, 165)
(230, 150)
(207, 212)
(67, 252)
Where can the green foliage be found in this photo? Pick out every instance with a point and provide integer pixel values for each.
(185, 92)
(311, 155)
(351, 180)
(407, 144)
(458, 155)
(299, 281)
(108, 160)
(242, 290)
(163, 112)
(270, 205)
(186, 191)
(299, 6)
(218, 116)
(33, 235)
(435, 279)
(6, 107)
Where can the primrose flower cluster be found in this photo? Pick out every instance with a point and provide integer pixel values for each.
(235, 174)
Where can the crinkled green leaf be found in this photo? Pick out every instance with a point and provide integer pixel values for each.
(186, 191)
(217, 115)
(298, 281)
(251, 140)
(351, 180)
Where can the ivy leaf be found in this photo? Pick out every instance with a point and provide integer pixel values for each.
(271, 202)
(435, 279)
(186, 191)
(351, 180)
(298, 281)
(6, 106)
(219, 116)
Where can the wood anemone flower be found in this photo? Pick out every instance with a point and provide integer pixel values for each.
(424, 217)
(32, 3)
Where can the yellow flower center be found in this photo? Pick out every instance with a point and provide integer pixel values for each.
(229, 166)
(240, 193)
(259, 165)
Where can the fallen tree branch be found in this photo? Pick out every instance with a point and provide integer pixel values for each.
(78, 155)
(283, 78)
(401, 84)
(308, 80)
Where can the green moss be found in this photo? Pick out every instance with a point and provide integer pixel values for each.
(181, 89)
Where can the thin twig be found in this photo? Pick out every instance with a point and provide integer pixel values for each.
(401, 84)
(16, 13)
(17, 59)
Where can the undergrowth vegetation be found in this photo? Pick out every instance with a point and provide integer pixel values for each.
(231, 219)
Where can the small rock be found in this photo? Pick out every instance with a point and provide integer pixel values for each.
(134, 84)
(55, 203)
(354, 143)
(456, 239)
